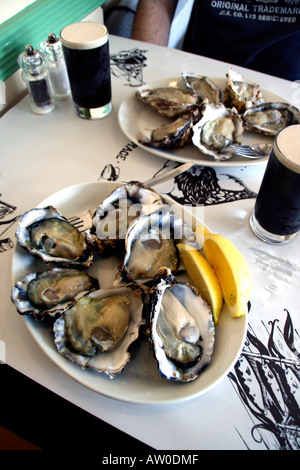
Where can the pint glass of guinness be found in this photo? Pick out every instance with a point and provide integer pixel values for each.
(86, 51)
(276, 215)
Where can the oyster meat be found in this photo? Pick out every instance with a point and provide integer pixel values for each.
(168, 101)
(174, 134)
(151, 243)
(47, 234)
(202, 87)
(52, 291)
(98, 330)
(114, 215)
(218, 128)
(182, 330)
(241, 92)
(270, 118)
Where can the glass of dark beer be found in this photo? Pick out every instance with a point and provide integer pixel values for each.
(86, 51)
(276, 215)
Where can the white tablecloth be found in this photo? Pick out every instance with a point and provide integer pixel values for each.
(257, 405)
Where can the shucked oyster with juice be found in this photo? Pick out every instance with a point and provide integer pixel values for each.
(182, 330)
(99, 329)
(113, 216)
(46, 234)
(52, 291)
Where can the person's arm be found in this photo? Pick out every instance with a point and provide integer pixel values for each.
(153, 20)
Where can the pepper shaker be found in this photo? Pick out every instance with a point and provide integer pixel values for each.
(55, 61)
(36, 77)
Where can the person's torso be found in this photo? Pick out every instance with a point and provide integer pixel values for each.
(260, 34)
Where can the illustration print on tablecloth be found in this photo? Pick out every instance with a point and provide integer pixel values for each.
(109, 173)
(200, 185)
(267, 379)
(6, 209)
(128, 65)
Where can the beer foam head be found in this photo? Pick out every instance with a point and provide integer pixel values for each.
(287, 147)
(84, 35)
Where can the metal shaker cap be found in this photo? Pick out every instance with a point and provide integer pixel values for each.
(52, 49)
(31, 61)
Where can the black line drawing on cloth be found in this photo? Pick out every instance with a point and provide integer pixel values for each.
(6, 244)
(6, 209)
(200, 185)
(109, 173)
(129, 65)
(125, 151)
(267, 379)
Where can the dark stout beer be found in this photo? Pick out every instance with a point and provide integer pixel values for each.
(277, 208)
(86, 51)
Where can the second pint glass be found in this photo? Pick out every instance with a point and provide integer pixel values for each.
(276, 215)
(86, 51)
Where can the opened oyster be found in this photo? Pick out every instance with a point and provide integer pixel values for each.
(47, 234)
(218, 128)
(51, 292)
(114, 215)
(241, 92)
(202, 87)
(98, 330)
(168, 101)
(270, 118)
(174, 134)
(181, 329)
(151, 243)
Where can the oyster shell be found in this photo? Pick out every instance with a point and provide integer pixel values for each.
(151, 243)
(218, 128)
(182, 330)
(170, 135)
(51, 292)
(270, 118)
(168, 101)
(202, 86)
(47, 234)
(241, 92)
(114, 215)
(99, 329)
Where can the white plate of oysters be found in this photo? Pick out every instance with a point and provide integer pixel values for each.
(196, 118)
(132, 377)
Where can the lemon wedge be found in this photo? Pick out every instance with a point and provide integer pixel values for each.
(202, 277)
(232, 271)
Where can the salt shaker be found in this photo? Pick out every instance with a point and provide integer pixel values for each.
(36, 76)
(55, 61)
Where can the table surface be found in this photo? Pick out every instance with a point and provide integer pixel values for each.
(256, 406)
